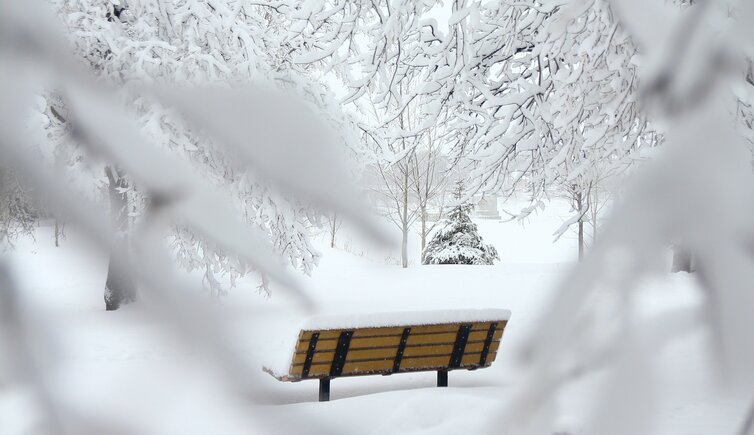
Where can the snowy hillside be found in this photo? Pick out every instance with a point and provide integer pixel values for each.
(107, 361)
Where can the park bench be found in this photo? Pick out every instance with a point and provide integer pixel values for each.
(440, 341)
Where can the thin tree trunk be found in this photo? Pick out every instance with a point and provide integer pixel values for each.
(119, 287)
(404, 222)
(595, 201)
(579, 203)
(581, 239)
(333, 230)
(57, 234)
(404, 248)
(424, 228)
(404, 217)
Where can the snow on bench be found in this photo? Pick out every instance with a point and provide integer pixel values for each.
(355, 345)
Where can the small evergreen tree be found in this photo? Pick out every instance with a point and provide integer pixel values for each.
(457, 241)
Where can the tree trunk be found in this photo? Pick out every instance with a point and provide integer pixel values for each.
(404, 222)
(57, 234)
(333, 230)
(579, 204)
(119, 286)
(404, 247)
(595, 201)
(682, 260)
(424, 228)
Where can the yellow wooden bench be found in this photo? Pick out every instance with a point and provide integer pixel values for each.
(325, 353)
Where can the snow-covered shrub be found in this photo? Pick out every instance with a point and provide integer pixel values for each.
(457, 241)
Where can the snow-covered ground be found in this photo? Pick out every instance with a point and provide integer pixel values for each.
(123, 366)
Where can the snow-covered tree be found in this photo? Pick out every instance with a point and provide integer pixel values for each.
(378, 51)
(224, 43)
(17, 211)
(540, 93)
(547, 95)
(457, 240)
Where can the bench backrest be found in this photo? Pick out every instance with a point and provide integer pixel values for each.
(385, 350)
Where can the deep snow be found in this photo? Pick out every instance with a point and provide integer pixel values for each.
(399, 318)
(122, 366)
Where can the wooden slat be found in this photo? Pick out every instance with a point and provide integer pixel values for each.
(436, 362)
(448, 327)
(472, 359)
(446, 349)
(319, 357)
(447, 338)
(369, 342)
(321, 370)
(384, 353)
(477, 326)
(333, 334)
(323, 335)
(303, 343)
(371, 332)
(295, 371)
(424, 329)
(358, 342)
(478, 346)
(383, 366)
(430, 361)
(443, 349)
(430, 329)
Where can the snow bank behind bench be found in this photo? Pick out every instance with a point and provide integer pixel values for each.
(375, 320)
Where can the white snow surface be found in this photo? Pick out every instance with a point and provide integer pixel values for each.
(126, 369)
(374, 320)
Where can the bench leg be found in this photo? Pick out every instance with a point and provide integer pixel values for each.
(324, 390)
(442, 378)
